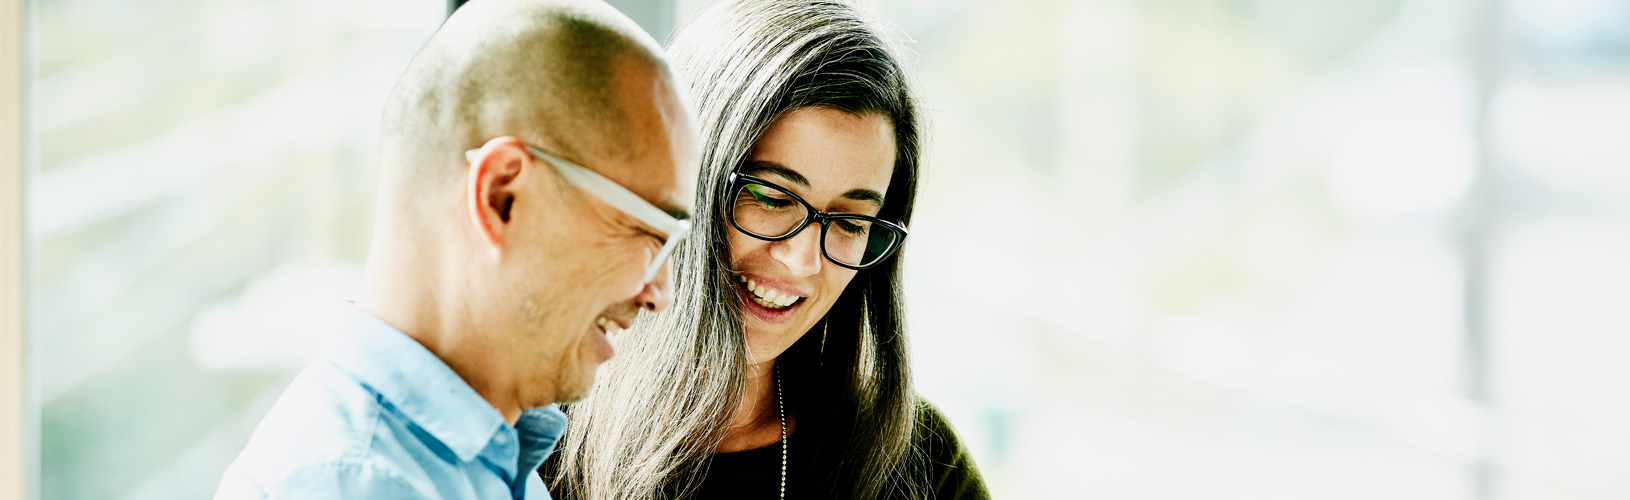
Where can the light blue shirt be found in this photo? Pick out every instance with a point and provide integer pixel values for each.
(379, 416)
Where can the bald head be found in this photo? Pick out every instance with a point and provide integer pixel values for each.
(555, 73)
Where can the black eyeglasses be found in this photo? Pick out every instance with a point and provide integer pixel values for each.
(769, 212)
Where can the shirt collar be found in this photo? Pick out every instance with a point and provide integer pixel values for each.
(417, 383)
(540, 430)
(524, 447)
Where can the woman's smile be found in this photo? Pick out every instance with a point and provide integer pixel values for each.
(767, 302)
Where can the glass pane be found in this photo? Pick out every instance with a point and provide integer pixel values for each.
(1235, 233)
(204, 170)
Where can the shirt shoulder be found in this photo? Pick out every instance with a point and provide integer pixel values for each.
(951, 468)
(327, 435)
(349, 479)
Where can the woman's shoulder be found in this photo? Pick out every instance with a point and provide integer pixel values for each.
(933, 431)
(951, 468)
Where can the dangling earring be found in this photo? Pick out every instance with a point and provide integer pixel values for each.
(820, 360)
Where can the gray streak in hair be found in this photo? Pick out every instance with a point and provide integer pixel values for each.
(663, 404)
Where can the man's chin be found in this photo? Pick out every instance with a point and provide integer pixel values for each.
(576, 390)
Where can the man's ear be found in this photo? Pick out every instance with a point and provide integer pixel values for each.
(492, 189)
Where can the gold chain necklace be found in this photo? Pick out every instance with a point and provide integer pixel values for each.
(781, 409)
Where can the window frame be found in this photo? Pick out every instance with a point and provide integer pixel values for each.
(13, 404)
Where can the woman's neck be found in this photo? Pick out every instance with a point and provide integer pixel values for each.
(757, 422)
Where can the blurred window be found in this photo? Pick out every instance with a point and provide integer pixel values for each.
(1252, 249)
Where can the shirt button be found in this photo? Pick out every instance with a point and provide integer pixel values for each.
(502, 438)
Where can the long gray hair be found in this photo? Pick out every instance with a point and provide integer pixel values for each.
(665, 402)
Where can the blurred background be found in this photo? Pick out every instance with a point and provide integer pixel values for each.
(1166, 249)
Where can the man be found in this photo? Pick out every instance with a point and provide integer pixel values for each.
(537, 162)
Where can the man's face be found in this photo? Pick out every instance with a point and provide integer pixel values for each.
(580, 266)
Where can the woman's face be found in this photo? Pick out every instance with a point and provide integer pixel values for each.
(836, 161)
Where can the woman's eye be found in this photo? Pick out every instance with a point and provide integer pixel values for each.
(767, 200)
(850, 227)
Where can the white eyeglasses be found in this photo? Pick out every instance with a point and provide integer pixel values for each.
(617, 196)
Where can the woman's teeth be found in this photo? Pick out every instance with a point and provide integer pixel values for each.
(766, 297)
(611, 327)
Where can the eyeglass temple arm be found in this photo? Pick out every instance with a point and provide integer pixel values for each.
(613, 193)
(667, 248)
(617, 196)
(606, 189)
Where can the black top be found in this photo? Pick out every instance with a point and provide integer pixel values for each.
(753, 474)
(756, 474)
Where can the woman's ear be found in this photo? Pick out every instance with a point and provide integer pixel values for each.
(491, 188)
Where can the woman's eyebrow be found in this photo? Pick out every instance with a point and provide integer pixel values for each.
(770, 167)
(756, 167)
(862, 194)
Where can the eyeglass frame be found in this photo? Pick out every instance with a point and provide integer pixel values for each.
(618, 197)
(738, 181)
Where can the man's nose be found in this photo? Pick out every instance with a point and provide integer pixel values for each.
(658, 294)
(801, 253)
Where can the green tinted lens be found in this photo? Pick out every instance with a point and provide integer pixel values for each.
(767, 211)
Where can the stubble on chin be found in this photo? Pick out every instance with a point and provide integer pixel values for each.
(572, 393)
(540, 316)
(572, 384)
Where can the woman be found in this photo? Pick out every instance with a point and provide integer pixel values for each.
(781, 370)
